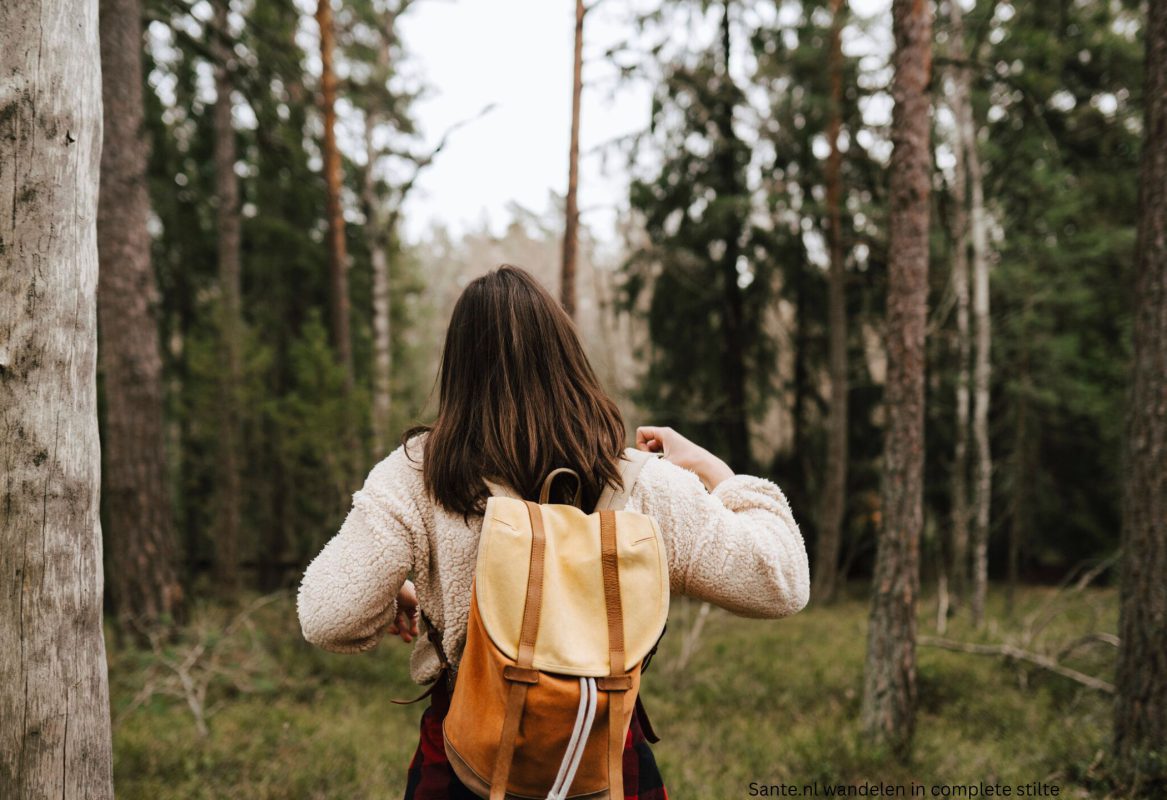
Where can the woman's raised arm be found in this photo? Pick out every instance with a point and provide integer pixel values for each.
(348, 595)
(737, 546)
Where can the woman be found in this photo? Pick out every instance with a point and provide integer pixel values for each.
(518, 399)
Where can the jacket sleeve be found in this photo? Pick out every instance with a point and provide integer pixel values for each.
(349, 592)
(737, 547)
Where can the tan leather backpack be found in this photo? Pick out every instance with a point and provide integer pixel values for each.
(566, 609)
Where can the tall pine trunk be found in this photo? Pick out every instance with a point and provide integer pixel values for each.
(1140, 709)
(961, 238)
(142, 551)
(889, 679)
(571, 221)
(229, 501)
(732, 190)
(337, 252)
(834, 500)
(54, 695)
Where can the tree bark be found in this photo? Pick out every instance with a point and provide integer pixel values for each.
(978, 224)
(143, 553)
(733, 370)
(337, 252)
(889, 691)
(1019, 516)
(961, 106)
(1140, 712)
(834, 500)
(382, 341)
(571, 221)
(54, 696)
(229, 491)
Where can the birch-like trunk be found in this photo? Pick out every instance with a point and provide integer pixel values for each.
(978, 224)
(1140, 709)
(229, 491)
(834, 500)
(889, 681)
(571, 221)
(54, 696)
(961, 238)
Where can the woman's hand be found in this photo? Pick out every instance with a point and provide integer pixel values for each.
(679, 450)
(405, 623)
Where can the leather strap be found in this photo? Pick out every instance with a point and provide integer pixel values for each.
(645, 723)
(446, 670)
(545, 491)
(520, 678)
(611, 566)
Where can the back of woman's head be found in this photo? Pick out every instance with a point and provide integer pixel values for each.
(518, 399)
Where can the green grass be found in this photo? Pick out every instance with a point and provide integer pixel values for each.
(766, 701)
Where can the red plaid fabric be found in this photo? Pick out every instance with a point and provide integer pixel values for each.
(432, 778)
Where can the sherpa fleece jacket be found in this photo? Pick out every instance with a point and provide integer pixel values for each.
(738, 547)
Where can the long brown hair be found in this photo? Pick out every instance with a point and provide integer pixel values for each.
(518, 399)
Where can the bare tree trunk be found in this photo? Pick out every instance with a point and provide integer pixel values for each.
(889, 690)
(337, 253)
(144, 584)
(834, 499)
(382, 342)
(571, 222)
(54, 695)
(1140, 711)
(229, 490)
(733, 368)
(1019, 520)
(981, 373)
(961, 105)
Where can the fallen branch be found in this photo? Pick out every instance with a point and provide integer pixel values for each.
(1009, 651)
(188, 674)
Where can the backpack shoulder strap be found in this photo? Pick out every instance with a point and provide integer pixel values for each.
(630, 465)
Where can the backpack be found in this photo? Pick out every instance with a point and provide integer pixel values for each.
(566, 609)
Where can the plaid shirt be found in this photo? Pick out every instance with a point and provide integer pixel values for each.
(432, 778)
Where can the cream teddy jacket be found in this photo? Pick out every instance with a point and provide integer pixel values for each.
(738, 547)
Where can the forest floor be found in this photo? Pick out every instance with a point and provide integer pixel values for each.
(773, 703)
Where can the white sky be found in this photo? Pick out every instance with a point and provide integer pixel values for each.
(517, 54)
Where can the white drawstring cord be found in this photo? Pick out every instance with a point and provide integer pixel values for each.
(579, 716)
(583, 738)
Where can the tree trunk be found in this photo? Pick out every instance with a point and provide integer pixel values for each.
(54, 695)
(382, 343)
(144, 585)
(1019, 518)
(889, 691)
(733, 370)
(834, 501)
(337, 255)
(981, 373)
(571, 222)
(962, 113)
(229, 502)
(1140, 711)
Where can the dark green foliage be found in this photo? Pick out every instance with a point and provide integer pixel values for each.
(1057, 97)
(707, 267)
(298, 473)
(1061, 179)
